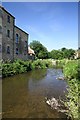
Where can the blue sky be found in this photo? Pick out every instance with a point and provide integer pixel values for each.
(54, 24)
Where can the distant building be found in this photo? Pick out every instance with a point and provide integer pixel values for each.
(31, 53)
(13, 40)
(77, 54)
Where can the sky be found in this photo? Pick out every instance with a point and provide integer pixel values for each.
(54, 24)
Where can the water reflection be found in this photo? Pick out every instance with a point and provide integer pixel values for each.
(24, 94)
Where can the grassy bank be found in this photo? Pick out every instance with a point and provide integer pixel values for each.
(71, 72)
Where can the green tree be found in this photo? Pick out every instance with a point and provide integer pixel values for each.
(63, 49)
(56, 54)
(68, 53)
(39, 49)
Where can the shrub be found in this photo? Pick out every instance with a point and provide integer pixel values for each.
(71, 69)
(72, 99)
(61, 63)
(20, 66)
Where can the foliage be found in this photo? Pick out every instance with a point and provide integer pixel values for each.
(39, 49)
(71, 69)
(56, 54)
(62, 53)
(42, 53)
(61, 63)
(71, 72)
(0, 68)
(67, 53)
(20, 66)
(72, 99)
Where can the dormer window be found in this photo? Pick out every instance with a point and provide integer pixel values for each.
(8, 19)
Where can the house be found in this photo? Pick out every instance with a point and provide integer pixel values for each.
(31, 53)
(13, 40)
(77, 54)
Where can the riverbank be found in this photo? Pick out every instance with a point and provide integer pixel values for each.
(71, 70)
(19, 66)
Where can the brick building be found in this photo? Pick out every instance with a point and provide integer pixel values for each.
(13, 40)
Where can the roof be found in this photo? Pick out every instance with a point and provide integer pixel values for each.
(6, 11)
(30, 51)
(21, 30)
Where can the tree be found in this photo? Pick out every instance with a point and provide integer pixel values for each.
(63, 53)
(56, 54)
(68, 53)
(39, 49)
(42, 52)
(63, 49)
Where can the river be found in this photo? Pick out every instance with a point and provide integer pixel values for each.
(23, 95)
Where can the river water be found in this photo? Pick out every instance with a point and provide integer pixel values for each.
(23, 95)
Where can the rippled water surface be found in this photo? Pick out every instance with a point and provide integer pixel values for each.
(24, 94)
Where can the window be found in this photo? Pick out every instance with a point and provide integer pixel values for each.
(1, 14)
(8, 19)
(25, 44)
(8, 33)
(0, 48)
(8, 49)
(0, 29)
(17, 38)
(25, 52)
(17, 51)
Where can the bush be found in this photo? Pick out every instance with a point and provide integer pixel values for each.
(61, 63)
(71, 69)
(72, 99)
(20, 66)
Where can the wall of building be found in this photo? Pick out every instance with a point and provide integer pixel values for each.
(0, 33)
(7, 41)
(11, 49)
(20, 44)
(31, 57)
